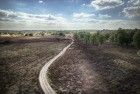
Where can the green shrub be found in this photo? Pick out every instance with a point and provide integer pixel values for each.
(122, 37)
(106, 36)
(92, 39)
(61, 34)
(113, 37)
(130, 35)
(136, 39)
(29, 34)
(101, 39)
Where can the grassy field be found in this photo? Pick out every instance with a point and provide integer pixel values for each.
(104, 69)
(21, 59)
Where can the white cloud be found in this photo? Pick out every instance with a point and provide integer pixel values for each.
(101, 21)
(19, 20)
(134, 2)
(132, 12)
(40, 1)
(31, 20)
(106, 4)
(106, 16)
(19, 16)
(82, 15)
(89, 17)
(107, 24)
(83, 4)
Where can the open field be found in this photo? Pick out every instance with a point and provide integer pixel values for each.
(21, 59)
(104, 69)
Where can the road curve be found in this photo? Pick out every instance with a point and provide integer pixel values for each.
(43, 79)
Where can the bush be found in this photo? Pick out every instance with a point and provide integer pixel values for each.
(61, 34)
(106, 36)
(122, 37)
(113, 37)
(87, 38)
(130, 35)
(29, 34)
(136, 39)
(93, 39)
(99, 38)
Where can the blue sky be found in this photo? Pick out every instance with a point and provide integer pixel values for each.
(69, 14)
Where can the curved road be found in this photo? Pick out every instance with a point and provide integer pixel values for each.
(43, 79)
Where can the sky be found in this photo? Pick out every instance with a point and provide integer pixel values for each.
(69, 14)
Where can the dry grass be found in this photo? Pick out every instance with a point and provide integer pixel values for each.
(21, 62)
(102, 69)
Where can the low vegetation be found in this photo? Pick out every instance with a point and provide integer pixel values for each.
(121, 37)
(21, 61)
(99, 63)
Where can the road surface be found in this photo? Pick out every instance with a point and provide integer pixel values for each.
(43, 79)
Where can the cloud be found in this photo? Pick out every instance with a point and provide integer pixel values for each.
(105, 16)
(134, 2)
(106, 4)
(101, 21)
(107, 24)
(31, 20)
(40, 1)
(82, 15)
(19, 16)
(132, 12)
(89, 17)
(83, 4)
(21, 21)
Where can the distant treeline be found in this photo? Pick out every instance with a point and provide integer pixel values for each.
(29, 33)
(122, 37)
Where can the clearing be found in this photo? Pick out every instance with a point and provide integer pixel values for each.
(21, 60)
(105, 69)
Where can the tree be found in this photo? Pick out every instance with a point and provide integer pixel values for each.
(29, 34)
(136, 39)
(101, 39)
(130, 35)
(87, 38)
(122, 38)
(61, 34)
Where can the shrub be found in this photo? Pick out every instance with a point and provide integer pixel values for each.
(136, 39)
(122, 37)
(106, 36)
(29, 34)
(101, 39)
(113, 37)
(92, 39)
(130, 35)
(61, 34)
(86, 38)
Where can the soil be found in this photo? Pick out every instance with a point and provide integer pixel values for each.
(104, 69)
(21, 60)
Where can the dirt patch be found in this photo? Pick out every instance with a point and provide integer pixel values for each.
(21, 62)
(96, 70)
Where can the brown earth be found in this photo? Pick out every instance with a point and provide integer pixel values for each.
(21, 60)
(105, 69)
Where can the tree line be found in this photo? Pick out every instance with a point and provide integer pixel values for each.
(122, 37)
